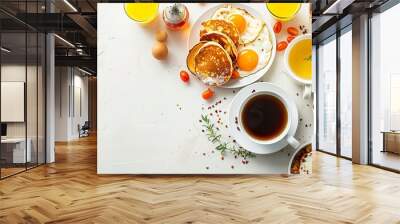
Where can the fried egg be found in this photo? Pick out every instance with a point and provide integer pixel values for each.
(248, 26)
(254, 56)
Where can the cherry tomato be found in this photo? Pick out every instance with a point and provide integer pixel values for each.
(184, 76)
(281, 46)
(207, 94)
(235, 74)
(278, 27)
(290, 38)
(293, 31)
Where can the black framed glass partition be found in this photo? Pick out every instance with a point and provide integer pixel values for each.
(22, 89)
(334, 94)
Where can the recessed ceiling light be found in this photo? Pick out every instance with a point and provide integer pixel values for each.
(70, 5)
(5, 50)
(64, 40)
(337, 7)
(84, 71)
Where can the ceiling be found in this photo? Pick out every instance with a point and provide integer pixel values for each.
(329, 16)
(74, 23)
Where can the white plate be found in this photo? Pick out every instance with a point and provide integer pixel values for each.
(234, 110)
(194, 39)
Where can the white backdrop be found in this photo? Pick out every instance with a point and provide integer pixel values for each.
(148, 119)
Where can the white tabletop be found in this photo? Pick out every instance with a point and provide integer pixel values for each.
(148, 119)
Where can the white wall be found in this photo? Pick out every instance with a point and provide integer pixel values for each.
(70, 83)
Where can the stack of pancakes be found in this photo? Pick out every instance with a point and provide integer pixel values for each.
(212, 60)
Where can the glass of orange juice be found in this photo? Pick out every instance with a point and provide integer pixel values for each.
(283, 11)
(141, 12)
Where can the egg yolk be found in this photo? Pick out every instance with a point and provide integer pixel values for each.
(239, 22)
(247, 60)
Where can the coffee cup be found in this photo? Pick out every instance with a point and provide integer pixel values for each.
(265, 118)
(298, 62)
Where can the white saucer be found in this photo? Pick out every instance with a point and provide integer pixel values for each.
(234, 109)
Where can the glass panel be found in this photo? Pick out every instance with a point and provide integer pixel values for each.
(385, 84)
(327, 96)
(41, 99)
(13, 90)
(32, 90)
(31, 100)
(346, 94)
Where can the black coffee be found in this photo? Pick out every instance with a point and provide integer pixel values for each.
(264, 117)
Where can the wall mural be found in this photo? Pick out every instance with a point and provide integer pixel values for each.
(201, 88)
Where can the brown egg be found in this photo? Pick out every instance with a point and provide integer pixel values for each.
(161, 36)
(160, 50)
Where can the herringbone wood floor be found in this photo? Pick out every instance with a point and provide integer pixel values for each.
(70, 191)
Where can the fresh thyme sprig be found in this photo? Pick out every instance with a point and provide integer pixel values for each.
(222, 147)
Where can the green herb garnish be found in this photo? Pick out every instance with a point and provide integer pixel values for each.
(223, 147)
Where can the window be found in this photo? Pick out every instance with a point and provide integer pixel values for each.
(327, 96)
(346, 92)
(385, 90)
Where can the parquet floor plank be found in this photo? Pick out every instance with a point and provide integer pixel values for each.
(70, 191)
